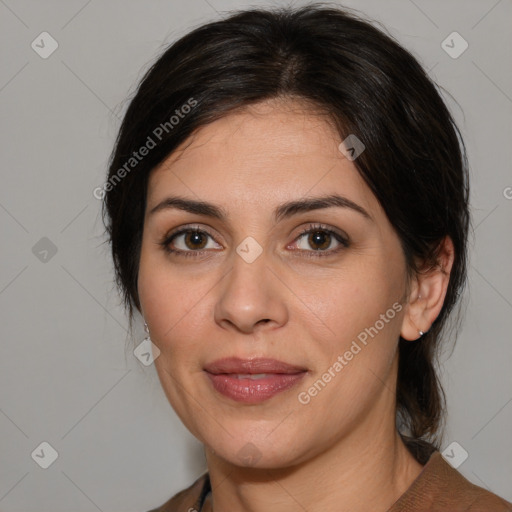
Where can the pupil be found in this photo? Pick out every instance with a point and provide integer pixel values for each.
(320, 238)
(194, 238)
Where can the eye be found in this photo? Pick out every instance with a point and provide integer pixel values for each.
(194, 241)
(321, 240)
(188, 241)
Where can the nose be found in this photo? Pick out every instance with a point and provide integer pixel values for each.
(251, 298)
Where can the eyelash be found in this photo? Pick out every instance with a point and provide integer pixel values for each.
(344, 241)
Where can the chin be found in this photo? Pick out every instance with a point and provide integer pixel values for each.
(257, 452)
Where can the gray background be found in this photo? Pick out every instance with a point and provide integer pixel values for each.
(67, 372)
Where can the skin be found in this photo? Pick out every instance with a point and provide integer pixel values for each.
(341, 450)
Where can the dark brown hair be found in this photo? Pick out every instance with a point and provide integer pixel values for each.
(368, 85)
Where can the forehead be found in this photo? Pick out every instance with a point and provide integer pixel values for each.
(267, 153)
(278, 126)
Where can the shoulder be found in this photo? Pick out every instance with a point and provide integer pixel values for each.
(189, 499)
(440, 487)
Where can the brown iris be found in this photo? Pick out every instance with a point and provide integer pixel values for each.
(319, 238)
(194, 237)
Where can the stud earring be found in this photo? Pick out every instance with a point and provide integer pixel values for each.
(421, 333)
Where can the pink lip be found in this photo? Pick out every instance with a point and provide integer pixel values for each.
(223, 374)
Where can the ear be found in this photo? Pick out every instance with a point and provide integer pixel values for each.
(427, 294)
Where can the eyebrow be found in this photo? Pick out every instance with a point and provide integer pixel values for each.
(283, 211)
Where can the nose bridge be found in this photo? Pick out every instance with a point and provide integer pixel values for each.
(250, 292)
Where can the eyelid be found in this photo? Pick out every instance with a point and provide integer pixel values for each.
(188, 227)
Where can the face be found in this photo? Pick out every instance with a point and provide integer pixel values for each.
(319, 287)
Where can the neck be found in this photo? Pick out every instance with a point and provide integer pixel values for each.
(366, 470)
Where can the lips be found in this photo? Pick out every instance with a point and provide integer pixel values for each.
(239, 366)
(252, 380)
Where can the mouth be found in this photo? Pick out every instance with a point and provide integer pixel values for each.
(254, 366)
(253, 380)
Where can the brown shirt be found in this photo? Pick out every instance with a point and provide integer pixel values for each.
(438, 488)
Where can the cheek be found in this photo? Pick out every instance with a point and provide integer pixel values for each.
(354, 297)
(356, 358)
(174, 305)
(161, 306)
(362, 310)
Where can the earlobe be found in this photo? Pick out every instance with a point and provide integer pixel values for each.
(427, 296)
(414, 313)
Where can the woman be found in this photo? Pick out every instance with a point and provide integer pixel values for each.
(287, 204)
